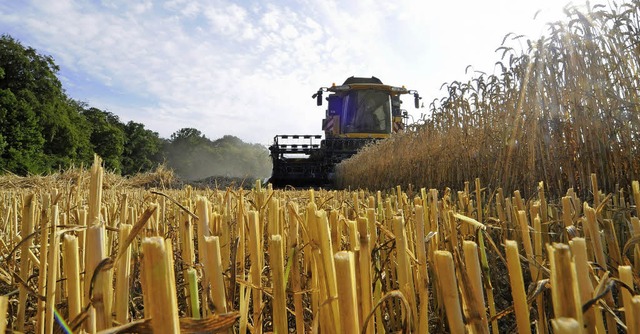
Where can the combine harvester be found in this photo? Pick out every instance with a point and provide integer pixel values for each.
(360, 111)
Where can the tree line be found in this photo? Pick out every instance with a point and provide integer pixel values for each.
(43, 130)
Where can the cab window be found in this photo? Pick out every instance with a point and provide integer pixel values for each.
(366, 111)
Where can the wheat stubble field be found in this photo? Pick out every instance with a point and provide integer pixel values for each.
(82, 254)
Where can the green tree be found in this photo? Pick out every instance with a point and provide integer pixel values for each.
(239, 159)
(107, 137)
(22, 142)
(26, 70)
(191, 155)
(142, 151)
(187, 151)
(188, 137)
(227, 141)
(67, 135)
(51, 132)
(23, 75)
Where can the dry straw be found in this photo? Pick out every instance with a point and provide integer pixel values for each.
(28, 214)
(364, 274)
(449, 290)
(4, 303)
(123, 278)
(347, 296)
(160, 285)
(279, 295)
(517, 287)
(72, 272)
(255, 272)
(422, 277)
(478, 317)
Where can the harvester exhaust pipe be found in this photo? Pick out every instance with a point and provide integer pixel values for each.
(416, 99)
(318, 97)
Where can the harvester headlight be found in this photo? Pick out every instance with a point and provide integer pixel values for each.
(341, 88)
(399, 89)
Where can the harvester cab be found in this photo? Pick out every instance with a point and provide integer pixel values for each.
(360, 111)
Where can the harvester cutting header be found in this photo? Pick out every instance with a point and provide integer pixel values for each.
(360, 111)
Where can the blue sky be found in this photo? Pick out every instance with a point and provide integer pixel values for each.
(249, 68)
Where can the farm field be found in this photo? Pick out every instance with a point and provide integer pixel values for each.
(513, 207)
(90, 253)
